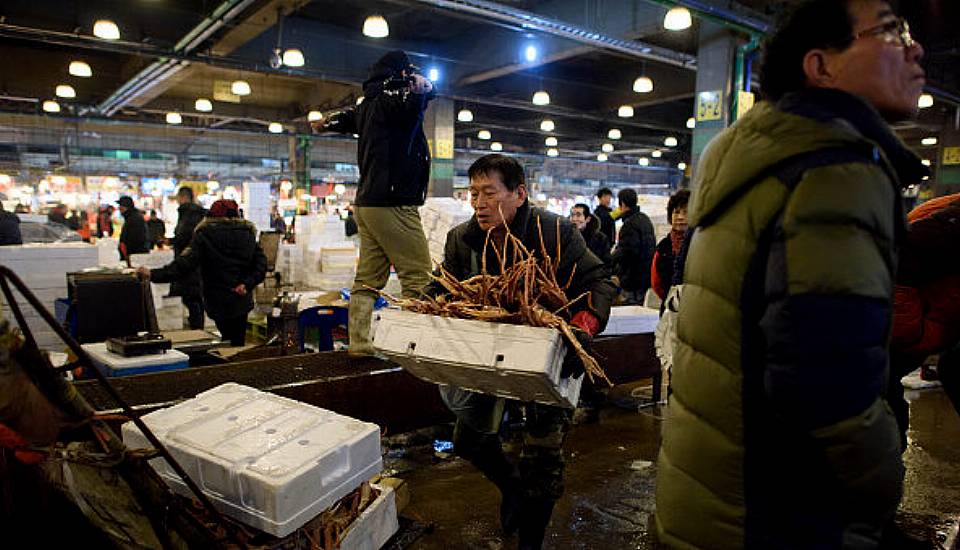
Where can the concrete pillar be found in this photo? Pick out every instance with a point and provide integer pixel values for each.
(715, 66)
(298, 153)
(438, 125)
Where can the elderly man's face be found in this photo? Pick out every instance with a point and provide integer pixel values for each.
(882, 65)
(578, 217)
(494, 203)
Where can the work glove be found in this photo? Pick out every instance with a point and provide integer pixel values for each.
(572, 364)
(420, 85)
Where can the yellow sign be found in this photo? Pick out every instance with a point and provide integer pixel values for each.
(951, 155)
(745, 101)
(444, 149)
(223, 91)
(709, 105)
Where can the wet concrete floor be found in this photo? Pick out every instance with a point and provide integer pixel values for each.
(610, 478)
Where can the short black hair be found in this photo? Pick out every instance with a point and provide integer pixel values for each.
(604, 191)
(679, 199)
(185, 191)
(585, 208)
(628, 197)
(810, 25)
(511, 171)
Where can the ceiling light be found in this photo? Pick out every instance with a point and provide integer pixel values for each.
(547, 125)
(670, 141)
(602, 157)
(614, 133)
(376, 26)
(926, 162)
(483, 134)
(643, 85)
(677, 19)
(926, 100)
(314, 116)
(339, 188)
(551, 141)
(66, 90)
(174, 117)
(496, 146)
(625, 111)
(433, 74)
(4, 179)
(541, 98)
(81, 69)
(682, 166)
(240, 87)
(607, 147)
(465, 115)
(106, 29)
(293, 58)
(51, 106)
(359, 100)
(553, 152)
(530, 53)
(657, 153)
(925, 178)
(929, 141)
(203, 105)
(691, 123)
(643, 161)
(275, 128)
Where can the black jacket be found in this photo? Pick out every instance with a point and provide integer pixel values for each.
(392, 153)
(596, 241)
(464, 246)
(133, 235)
(634, 252)
(189, 215)
(607, 224)
(9, 229)
(227, 253)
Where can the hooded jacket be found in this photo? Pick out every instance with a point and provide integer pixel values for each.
(776, 434)
(133, 234)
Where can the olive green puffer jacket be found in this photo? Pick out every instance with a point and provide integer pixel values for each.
(776, 435)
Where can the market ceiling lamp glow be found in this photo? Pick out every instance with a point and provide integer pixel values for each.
(314, 116)
(551, 141)
(275, 128)
(496, 146)
(925, 101)
(66, 91)
(541, 98)
(359, 100)
(607, 147)
(51, 106)
(682, 166)
(691, 123)
(930, 141)
(465, 115)
(625, 111)
(240, 87)
(602, 157)
(657, 153)
(553, 152)
(293, 58)
(643, 85)
(547, 125)
(614, 133)
(677, 19)
(926, 162)
(376, 26)
(670, 141)
(484, 134)
(433, 74)
(339, 188)
(174, 117)
(106, 29)
(81, 69)
(643, 161)
(531, 54)
(203, 105)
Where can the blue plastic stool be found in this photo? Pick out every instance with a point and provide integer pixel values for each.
(323, 318)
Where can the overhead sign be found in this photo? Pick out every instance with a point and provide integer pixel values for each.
(709, 105)
(951, 155)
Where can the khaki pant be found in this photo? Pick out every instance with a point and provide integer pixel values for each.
(389, 235)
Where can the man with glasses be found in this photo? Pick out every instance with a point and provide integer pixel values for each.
(777, 434)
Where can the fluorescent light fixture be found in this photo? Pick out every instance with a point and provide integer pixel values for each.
(174, 117)
(553, 152)
(240, 87)
(930, 141)
(541, 98)
(530, 53)
(81, 69)
(433, 74)
(293, 58)
(275, 128)
(625, 111)
(677, 19)
(203, 105)
(51, 106)
(66, 91)
(607, 147)
(314, 116)
(106, 29)
(465, 115)
(484, 134)
(691, 123)
(496, 146)
(925, 101)
(682, 166)
(614, 133)
(376, 26)
(547, 125)
(670, 141)
(602, 157)
(657, 153)
(643, 161)
(643, 85)
(550, 142)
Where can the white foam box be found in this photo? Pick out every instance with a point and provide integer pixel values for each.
(154, 259)
(375, 525)
(631, 320)
(114, 364)
(268, 461)
(513, 361)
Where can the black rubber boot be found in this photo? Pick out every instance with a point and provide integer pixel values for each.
(534, 519)
(510, 507)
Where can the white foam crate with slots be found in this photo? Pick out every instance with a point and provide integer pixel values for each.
(512, 361)
(375, 525)
(268, 461)
(631, 320)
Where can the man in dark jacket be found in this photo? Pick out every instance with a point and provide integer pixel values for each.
(589, 228)
(231, 263)
(498, 194)
(394, 169)
(156, 230)
(9, 228)
(777, 434)
(133, 234)
(188, 287)
(604, 214)
(634, 253)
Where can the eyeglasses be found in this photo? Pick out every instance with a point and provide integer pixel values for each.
(891, 31)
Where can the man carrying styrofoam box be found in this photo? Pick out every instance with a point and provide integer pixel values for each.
(498, 195)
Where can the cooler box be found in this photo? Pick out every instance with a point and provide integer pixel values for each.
(376, 524)
(512, 361)
(631, 320)
(268, 461)
(113, 364)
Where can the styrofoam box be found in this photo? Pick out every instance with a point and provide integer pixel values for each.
(375, 525)
(512, 361)
(268, 461)
(113, 364)
(631, 320)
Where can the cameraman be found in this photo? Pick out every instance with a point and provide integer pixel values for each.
(394, 169)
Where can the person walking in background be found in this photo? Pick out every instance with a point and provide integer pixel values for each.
(661, 272)
(133, 234)
(189, 286)
(9, 228)
(231, 263)
(635, 247)
(156, 230)
(604, 214)
(589, 228)
(105, 221)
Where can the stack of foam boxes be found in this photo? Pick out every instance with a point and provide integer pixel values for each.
(439, 215)
(170, 310)
(338, 265)
(655, 207)
(321, 237)
(290, 263)
(43, 268)
(257, 199)
(107, 252)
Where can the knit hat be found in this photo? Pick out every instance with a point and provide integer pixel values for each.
(224, 208)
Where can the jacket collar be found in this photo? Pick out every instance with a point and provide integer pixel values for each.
(475, 237)
(629, 213)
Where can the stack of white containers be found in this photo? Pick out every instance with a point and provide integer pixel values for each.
(290, 263)
(329, 262)
(257, 199)
(439, 215)
(107, 252)
(43, 268)
(170, 310)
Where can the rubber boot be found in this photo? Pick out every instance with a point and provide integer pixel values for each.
(360, 315)
(534, 519)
